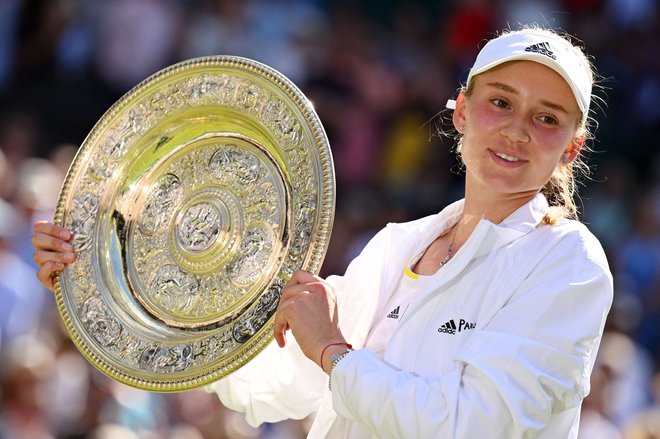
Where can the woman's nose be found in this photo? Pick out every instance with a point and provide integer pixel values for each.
(516, 129)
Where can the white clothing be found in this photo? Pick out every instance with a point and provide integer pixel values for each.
(528, 302)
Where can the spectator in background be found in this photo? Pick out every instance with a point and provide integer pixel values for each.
(136, 38)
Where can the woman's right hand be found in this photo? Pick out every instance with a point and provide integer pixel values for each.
(52, 251)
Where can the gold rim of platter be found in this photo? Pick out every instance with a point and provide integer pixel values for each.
(192, 201)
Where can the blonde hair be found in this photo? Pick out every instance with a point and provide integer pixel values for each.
(561, 189)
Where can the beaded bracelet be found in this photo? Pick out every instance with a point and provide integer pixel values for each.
(332, 344)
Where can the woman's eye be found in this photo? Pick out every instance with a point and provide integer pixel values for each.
(500, 103)
(549, 120)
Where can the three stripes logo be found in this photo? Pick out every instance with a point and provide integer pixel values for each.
(542, 48)
(451, 328)
(394, 314)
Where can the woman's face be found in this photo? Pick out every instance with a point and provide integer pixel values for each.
(519, 120)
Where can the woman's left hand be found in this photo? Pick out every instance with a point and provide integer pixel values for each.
(308, 308)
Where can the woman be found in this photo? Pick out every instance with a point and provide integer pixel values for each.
(481, 321)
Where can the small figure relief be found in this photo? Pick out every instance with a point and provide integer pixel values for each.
(199, 227)
(175, 291)
(266, 306)
(100, 169)
(147, 254)
(254, 320)
(161, 200)
(232, 166)
(100, 324)
(198, 87)
(166, 359)
(285, 125)
(272, 111)
(253, 257)
(136, 121)
(291, 133)
(248, 95)
(226, 89)
(307, 203)
(301, 237)
(130, 347)
(114, 146)
(175, 97)
(222, 294)
(261, 204)
(217, 347)
(83, 212)
(278, 117)
(243, 330)
(157, 105)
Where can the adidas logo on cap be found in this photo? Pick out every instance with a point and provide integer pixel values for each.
(542, 48)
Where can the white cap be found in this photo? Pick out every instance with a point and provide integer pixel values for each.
(545, 48)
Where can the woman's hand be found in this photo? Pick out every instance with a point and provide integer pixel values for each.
(52, 251)
(308, 308)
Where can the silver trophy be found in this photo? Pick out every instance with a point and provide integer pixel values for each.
(192, 202)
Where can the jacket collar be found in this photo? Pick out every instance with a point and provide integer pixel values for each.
(485, 238)
(517, 224)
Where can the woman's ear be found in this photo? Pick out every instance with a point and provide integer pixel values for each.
(573, 150)
(459, 115)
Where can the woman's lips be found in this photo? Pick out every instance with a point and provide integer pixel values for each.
(506, 159)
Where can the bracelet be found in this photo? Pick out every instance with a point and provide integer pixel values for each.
(332, 344)
(335, 360)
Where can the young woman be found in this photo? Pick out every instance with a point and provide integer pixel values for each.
(481, 321)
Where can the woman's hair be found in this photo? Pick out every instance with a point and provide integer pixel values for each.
(560, 190)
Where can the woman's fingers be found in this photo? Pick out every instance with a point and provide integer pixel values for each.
(52, 251)
(42, 257)
(42, 241)
(47, 271)
(303, 277)
(307, 307)
(281, 326)
(48, 236)
(52, 229)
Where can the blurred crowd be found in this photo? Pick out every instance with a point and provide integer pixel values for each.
(379, 73)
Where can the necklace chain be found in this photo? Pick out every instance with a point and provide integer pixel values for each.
(446, 259)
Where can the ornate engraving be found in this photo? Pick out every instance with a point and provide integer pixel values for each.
(84, 210)
(247, 326)
(174, 290)
(255, 251)
(198, 87)
(199, 227)
(249, 95)
(231, 165)
(100, 323)
(226, 88)
(161, 201)
(166, 359)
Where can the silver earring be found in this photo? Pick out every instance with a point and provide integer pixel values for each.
(564, 158)
(461, 128)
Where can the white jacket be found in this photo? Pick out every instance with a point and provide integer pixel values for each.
(535, 296)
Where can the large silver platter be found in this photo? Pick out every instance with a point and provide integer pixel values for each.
(192, 201)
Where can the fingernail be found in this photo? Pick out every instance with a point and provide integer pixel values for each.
(69, 256)
(67, 246)
(65, 234)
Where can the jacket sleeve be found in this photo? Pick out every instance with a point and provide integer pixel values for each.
(278, 384)
(530, 361)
